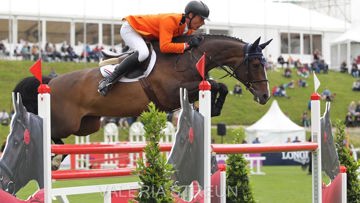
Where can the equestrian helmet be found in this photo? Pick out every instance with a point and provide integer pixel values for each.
(198, 8)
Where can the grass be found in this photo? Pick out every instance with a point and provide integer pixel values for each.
(280, 184)
(238, 110)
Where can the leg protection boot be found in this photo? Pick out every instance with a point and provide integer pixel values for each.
(126, 65)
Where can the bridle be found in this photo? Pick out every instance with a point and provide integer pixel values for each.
(249, 55)
(7, 181)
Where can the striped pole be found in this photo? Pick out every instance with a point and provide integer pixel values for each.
(205, 110)
(44, 113)
(316, 155)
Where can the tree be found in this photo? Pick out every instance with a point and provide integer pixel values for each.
(345, 159)
(154, 173)
(237, 175)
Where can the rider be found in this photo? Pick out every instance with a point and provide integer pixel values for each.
(163, 27)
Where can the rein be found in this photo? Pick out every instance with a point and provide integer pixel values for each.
(248, 56)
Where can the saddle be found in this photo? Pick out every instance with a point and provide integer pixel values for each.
(112, 58)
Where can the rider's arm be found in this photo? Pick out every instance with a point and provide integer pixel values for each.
(169, 28)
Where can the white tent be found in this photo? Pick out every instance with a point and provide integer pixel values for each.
(346, 47)
(274, 128)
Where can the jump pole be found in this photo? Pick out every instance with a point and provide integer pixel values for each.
(205, 110)
(44, 113)
(316, 155)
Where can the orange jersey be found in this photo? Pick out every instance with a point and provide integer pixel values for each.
(163, 27)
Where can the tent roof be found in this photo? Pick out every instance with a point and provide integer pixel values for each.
(352, 35)
(228, 12)
(274, 120)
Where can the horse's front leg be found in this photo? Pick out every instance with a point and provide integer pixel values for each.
(219, 92)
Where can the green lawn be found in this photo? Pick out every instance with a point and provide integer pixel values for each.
(280, 184)
(238, 110)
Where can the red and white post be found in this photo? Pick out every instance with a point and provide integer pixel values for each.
(205, 110)
(316, 155)
(44, 113)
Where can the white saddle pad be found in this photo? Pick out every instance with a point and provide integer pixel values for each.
(108, 69)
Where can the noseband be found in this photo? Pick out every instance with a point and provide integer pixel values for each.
(7, 180)
(249, 55)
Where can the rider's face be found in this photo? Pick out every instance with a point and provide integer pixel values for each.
(196, 22)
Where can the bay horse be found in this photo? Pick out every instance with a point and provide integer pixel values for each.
(76, 106)
(22, 159)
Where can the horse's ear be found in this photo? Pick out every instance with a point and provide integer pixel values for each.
(255, 44)
(263, 45)
(14, 100)
(21, 108)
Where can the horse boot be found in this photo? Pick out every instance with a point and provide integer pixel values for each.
(125, 65)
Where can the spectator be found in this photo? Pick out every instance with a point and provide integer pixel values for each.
(256, 141)
(53, 74)
(2, 48)
(356, 85)
(280, 92)
(281, 61)
(352, 108)
(4, 118)
(343, 67)
(323, 66)
(349, 121)
(288, 140)
(25, 52)
(357, 114)
(327, 95)
(71, 53)
(287, 72)
(237, 89)
(270, 63)
(317, 55)
(302, 83)
(35, 52)
(354, 70)
(296, 139)
(290, 84)
(305, 119)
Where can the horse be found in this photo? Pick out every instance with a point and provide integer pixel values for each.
(76, 106)
(22, 159)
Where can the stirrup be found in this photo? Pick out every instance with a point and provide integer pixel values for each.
(104, 86)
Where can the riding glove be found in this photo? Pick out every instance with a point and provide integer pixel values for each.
(194, 42)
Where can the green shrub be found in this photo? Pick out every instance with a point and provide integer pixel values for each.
(154, 173)
(345, 158)
(237, 175)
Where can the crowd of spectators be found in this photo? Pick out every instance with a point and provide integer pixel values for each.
(54, 52)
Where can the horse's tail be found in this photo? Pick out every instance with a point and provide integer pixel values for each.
(27, 87)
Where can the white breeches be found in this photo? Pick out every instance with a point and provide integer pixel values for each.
(134, 41)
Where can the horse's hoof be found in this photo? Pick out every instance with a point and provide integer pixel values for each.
(56, 162)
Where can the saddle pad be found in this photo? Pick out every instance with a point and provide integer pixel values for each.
(108, 69)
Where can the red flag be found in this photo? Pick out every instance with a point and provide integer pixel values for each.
(36, 70)
(200, 66)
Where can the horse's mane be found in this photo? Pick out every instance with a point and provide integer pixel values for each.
(27, 87)
(184, 38)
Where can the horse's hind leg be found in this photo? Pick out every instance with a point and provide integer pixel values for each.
(88, 125)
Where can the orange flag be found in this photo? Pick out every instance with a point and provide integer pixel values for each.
(200, 66)
(36, 70)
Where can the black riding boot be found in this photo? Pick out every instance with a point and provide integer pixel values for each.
(106, 83)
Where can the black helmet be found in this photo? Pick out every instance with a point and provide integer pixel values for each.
(198, 8)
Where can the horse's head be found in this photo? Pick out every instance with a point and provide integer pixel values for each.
(22, 157)
(246, 61)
